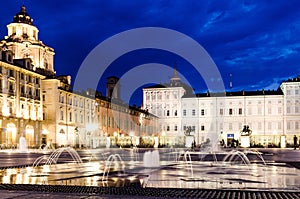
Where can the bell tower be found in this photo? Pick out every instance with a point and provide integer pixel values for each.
(175, 80)
(23, 41)
(113, 88)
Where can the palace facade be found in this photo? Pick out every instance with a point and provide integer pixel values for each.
(272, 116)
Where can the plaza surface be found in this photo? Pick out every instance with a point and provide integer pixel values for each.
(252, 170)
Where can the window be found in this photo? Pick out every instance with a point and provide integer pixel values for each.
(104, 120)
(193, 128)
(175, 113)
(193, 112)
(61, 115)
(202, 128)
(288, 125)
(259, 110)
(70, 116)
(221, 111)
(175, 128)
(62, 99)
(11, 73)
(259, 125)
(168, 113)
(44, 97)
(159, 96)
(37, 93)
(279, 110)
(269, 125)
(269, 111)
(288, 109)
(202, 111)
(221, 126)
(296, 109)
(249, 111)
(184, 112)
(22, 89)
(11, 87)
(279, 125)
(296, 125)
(240, 111)
(168, 128)
(230, 126)
(230, 111)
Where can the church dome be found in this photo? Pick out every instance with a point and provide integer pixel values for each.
(23, 17)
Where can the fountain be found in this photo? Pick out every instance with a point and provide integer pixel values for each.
(118, 165)
(237, 170)
(151, 159)
(53, 158)
(23, 145)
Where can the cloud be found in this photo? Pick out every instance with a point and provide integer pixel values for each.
(255, 40)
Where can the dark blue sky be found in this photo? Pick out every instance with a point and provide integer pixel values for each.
(257, 41)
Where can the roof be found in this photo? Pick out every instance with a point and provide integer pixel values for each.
(23, 17)
(236, 93)
(156, 86)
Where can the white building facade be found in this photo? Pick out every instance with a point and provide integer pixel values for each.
(270, 115)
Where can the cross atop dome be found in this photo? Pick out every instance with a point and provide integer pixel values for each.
(23, 17)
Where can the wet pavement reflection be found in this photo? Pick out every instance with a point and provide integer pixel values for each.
(175, 169)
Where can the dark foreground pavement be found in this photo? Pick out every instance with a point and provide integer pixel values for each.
(60, 191)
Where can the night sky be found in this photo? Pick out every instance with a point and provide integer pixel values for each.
(258, 42)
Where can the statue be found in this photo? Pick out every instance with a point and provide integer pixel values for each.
(246, 131)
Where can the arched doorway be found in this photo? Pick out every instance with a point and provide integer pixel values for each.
(29, 135)
(11, 135)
